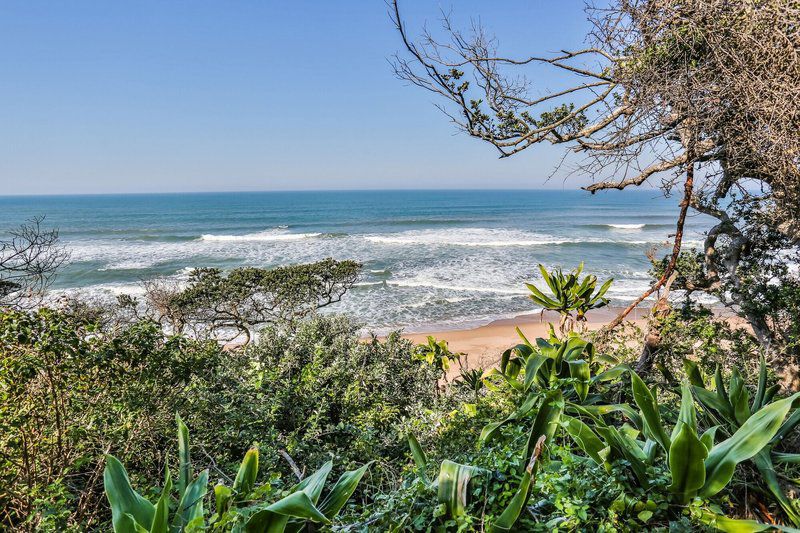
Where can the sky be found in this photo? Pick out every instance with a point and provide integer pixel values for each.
(173, 96)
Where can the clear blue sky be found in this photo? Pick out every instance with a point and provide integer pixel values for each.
(149, 96)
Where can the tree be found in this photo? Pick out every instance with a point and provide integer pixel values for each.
(29, 259)
(701, 95)
(234, 304)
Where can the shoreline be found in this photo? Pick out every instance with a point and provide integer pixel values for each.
(484, 345)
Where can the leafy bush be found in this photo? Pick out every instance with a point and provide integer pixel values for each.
(73, 391)
(333, 393)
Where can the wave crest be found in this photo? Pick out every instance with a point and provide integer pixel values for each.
(269, 235)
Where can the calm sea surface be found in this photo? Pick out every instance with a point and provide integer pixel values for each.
(431, 258)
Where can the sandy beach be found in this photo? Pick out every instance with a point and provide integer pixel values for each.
(484, 345)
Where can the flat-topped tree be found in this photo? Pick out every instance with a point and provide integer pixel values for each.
(248, 297)
(663, 90)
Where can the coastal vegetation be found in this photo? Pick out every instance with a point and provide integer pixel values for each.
(231, 403)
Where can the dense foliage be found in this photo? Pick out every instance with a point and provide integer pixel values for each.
(563, 434)
(72, 392)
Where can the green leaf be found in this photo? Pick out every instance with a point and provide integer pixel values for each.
(687, 414)
(786, 458)
(629, 449)
(748, 440)
(522, 411)
(190, 506)
(313, 484)
(579, 371)
(586, 439)
(686, 463)
(758, 401)
(763, 462)
(547, 420)
(511, 513)
(532, 367)
(246, 476)
(693, 373)
(453, 486)
(298, 505)
(649, 407)
(708, 437)
(161, 517)
(128, 507)
(712, 401)
(185, 463)
(222, 496)
(419, 456)
(733, 525)
(341, 491)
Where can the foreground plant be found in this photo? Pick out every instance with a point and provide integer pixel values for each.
(730, 409)
(236, 507)
(699, 467)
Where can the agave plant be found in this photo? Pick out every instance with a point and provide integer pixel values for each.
(570, 295)
(730, 408)
(699, 466)
(235, 510)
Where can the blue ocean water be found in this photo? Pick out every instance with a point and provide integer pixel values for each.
(431, 258)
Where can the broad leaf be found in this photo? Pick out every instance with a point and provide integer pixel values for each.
(128, 507)
(748, 440)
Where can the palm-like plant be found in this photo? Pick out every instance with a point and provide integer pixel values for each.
(570, 295)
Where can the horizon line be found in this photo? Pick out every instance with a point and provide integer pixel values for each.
(279, 191)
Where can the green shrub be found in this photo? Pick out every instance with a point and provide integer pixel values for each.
(335, 395)
(73, 391)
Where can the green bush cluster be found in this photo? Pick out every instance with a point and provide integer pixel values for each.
(72, 391)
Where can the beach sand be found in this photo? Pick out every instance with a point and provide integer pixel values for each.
(484, 345)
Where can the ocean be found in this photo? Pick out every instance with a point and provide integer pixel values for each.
(432, 259)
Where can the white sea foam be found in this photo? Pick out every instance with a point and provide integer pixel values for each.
(626, 226)
(269, 235)
(467, 237)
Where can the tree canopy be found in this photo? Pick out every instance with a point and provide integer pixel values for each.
(244, 298)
